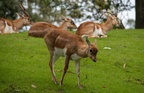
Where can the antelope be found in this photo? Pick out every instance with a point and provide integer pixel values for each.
(40, 29)
(6, 26)
(12, 26)
(94, 30)
(71, 47)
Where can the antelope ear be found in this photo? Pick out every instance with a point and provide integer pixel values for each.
(95, 41)
(63, 18)
(19, 15)
(109, 13)
(87, 41)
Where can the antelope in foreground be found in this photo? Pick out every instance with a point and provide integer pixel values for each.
(12, 26)
(40, 29)
(71, 47)
(94, 30)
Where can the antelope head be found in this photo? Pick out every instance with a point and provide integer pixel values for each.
(25, 16)
(91, 50)
(69, 22)
(114, 19)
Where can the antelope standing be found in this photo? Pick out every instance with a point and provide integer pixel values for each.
(93, 29)
(71, 47)
(12, 26)
(40, 29)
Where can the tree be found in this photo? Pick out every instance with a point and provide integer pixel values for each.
(139, 13)
(8, 8)
(51, 10)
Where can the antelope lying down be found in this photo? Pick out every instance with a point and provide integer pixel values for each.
(6, 26)
(94, 30)
(71, 47)
(40, 29)
(12, 26)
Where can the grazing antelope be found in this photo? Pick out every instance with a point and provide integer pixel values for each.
(12, 26)
(40, 29)
(71, 47)
(94, 30)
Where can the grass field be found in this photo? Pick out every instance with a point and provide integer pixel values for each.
(24, 66)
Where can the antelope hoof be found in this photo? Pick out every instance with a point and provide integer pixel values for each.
(61, 84)
(55, 81)
(104, 36)
(80, 86)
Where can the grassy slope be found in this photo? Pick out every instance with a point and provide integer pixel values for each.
(24, 66)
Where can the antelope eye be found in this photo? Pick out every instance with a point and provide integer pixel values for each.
(72, 22)
(90, 50)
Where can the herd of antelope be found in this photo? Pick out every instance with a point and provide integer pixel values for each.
(60, 42)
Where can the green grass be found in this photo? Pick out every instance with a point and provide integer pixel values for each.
(24, 66)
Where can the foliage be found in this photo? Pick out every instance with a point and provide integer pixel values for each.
(139, 14)
(24, 66)
(8, 9)
(51, 10)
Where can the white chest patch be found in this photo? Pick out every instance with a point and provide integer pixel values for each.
(62, 52)
(75, 57)
(97, 32)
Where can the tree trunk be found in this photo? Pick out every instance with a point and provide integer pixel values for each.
(139, 13)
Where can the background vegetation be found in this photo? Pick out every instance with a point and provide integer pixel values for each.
(51, 10)
(24, 60)
(24, 66)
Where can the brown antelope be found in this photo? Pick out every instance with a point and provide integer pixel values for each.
(93, 29)
(71, 47)
(12, 26)
(40, 29)
(6, 26)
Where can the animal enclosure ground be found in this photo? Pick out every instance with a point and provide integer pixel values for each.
(24, 65)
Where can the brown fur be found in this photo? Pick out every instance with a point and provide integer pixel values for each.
(2, 25)
(15, 24)
(73, 44)
(40, 29)
(87, 28)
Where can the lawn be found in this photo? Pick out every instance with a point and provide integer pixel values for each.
(24, 65)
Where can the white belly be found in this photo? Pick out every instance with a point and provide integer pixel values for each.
(97, 32)
(62, 52)
(8, 29)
